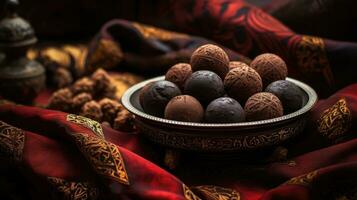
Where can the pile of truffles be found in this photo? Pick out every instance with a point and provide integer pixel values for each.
(93, 97)
(212, 89)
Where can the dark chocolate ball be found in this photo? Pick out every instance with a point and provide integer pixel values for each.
(155, 98)
(224, 110)
(290, 95)
(263, 105)
(204, 86)
(242, 82)
(210, 57)
(184, 108)
(270, 67)
(178, 74)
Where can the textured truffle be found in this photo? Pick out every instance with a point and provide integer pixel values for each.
(235, 64)
(62, 77)
(83, 85)
(242, 82)
(92, 110)
(156, 97)
(124, 121)
(224, 110)
(79, 100)
(263, 105)
(204, 86)
(184, 108)
(101, 80)
(210, 57)
(61, 100)
(110, 108)
(290, 95)
(270, 68)
(178, 74)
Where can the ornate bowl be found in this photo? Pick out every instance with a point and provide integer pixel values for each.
(211, 137)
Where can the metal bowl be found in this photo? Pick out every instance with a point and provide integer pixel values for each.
(214, 137)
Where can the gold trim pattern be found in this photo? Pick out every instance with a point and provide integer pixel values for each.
(151, 32)
(88, 123)
(304, 180)
(12, 141)
(311, 57)
(211, 192)
(335, 121)
(103, 156)
(189, 195)
(74, 190)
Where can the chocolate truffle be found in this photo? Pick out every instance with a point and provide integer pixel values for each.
(270, 67)
(184, 108)
(155, 98)
(204, 86)
(263, 105)
(224, 110)
(235, 64)
(210, 57)
(124, 121)
(143, 91)
(101, 79)
(62, 77)
(83, 85)
(92, 110)
(110, 108)
(178, 74)
(290, 95)
(79, 100)
(61, 100)
(242, 82)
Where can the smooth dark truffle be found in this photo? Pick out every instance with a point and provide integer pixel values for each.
(270, 68)
(155, 98)
(210, 57)
(204, 86)
(290, 95)
(184, 108)
(178, 74)
(224, 110)
(235, 64)
(263, 105)
(242, 82)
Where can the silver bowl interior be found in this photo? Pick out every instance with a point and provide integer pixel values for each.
(130, 101)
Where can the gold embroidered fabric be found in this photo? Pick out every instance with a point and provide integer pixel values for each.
(12, 142)
(335, 121)
(104, 157)
(74, 190)
(151, 32)
(189, 195)
(210, 192)
(304, 180)
(88, 123)
(311, 57)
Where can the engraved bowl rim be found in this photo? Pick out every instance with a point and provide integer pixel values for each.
(125, 100)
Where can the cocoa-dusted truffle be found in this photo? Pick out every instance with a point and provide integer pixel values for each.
(184, 108)
(101, 80)
(204, 86)
(178, 74)
(92, 110)
(124, 121)
(263, 105)
(242, 82)
(290, 95)
(61, 100)
(79, 100)
(270, 67)
(62, 77)
(110, 108)
(83, 85)
(224, 110)
(210, 57)
(235, 64)
(156, 97)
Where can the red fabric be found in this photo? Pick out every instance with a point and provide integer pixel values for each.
(326, 165)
